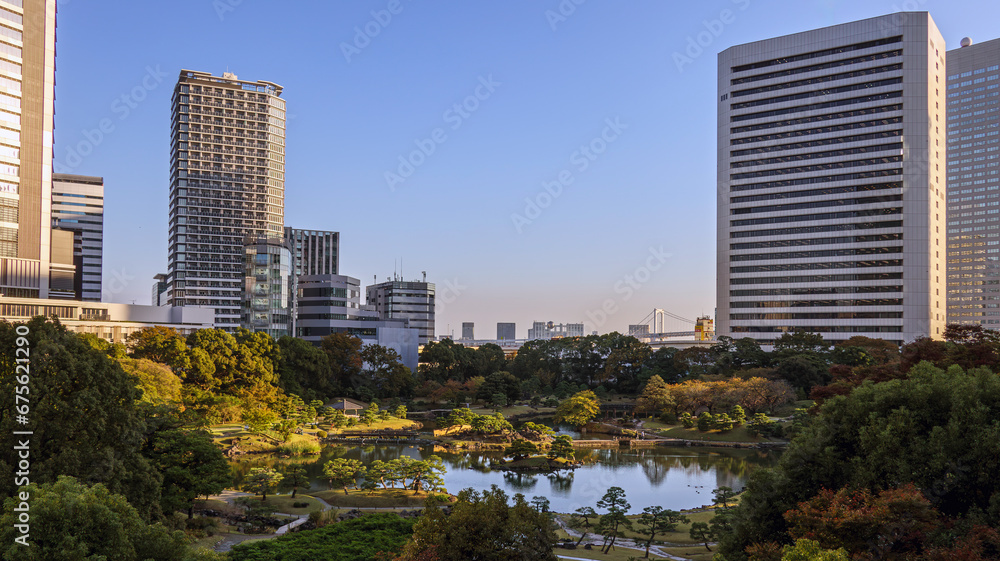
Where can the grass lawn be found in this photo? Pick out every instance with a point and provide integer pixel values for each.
(786, 410)
(680, 536)
(738, 434)
(392, 423)
(283, 503)
(381, 498)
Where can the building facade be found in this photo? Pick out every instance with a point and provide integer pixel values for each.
(109, 321)
(831, 169)
(27, 93)
(506, 331)
(327, 304)
(468, 330)
(316, 252)
(550, 330)
(412, 301)
(269, 286)
(974, 184)
(78, 206)
(227, 182)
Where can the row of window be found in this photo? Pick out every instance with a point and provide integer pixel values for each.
(897, 146)
(817, 204)
(815, 329)
(811, 291)
(820, 167)
(817, 241)
(824, 142)
(821, 253)
(818, 54)
(820, 315)
(815, 106)
(799, 230)
(818, 179)
(813, 217)
(817, 266)
(816, 80)
(815, 119)
(815, 67)
(816, 192)
(819, 303)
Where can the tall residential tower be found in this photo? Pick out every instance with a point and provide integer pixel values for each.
(974, 184)
(227, 183)
(831, 182)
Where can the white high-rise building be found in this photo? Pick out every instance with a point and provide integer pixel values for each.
(974, 183)
(831, 182)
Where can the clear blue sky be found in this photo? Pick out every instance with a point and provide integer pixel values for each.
(647, 199)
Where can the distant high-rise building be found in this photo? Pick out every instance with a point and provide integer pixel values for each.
(549, 330)
(468, 330)
(974, 184)
(328, 304)
(412, 300)
(227, 182)
(159, 290)
(78, 206)
(316, 252)
(638, 330)
(506, 331)
(831, 182)
(28, 268)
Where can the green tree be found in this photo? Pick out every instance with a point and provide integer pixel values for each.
(360, 539)
(399, 412)
(485, 527)
(578, 410)
(259, 419)
(343, 472)
(83, 414)
(656, 520)
(192, 466)
(425, 474)
(520, 449)
(614, 523)
(369, 415)
(583, 519)
(72, 521)
(702, 533)
(499, 401)
(385, 372)
(809, 550)
(295, 476)
(500, 382)
(344, 354)
(541, 504)
(738, 415)
(159, 385)
(655, 397)
(722, 422)
(562, 447)
(261, 481)
(706, 421)
(304, 369)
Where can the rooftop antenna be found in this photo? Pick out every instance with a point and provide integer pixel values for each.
(425, 275)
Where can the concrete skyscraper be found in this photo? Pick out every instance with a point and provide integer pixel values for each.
(831, 182)
(227, 183)
(974, 184)
(410, 300)
(316, 252)
(27, 92)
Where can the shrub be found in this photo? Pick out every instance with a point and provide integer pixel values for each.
(669, 418)
(722, 422)
(299, 448)
(706, 422)
(687, 420)
(321, 434)
(300, 504)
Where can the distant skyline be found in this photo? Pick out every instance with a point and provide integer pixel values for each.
(546, 161)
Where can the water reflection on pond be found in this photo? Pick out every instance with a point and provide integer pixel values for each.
(673, 478)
